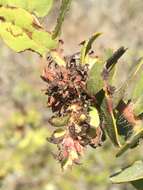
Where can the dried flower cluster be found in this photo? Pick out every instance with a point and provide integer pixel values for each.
(67, 97)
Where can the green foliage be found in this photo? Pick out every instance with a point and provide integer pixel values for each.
(21, 137)
(40, 8)
(87, 45)
(127, 90)
(24, 32)
(110, 123)
(94, 117)
(138, 184)
(57, 58)
(59, 121)
(133, 173)
(132, 142)
(65, 5)
(94, 81)
(138, 79)
(138, 106)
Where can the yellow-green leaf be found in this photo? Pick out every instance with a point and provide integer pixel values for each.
(23, 32)
(95, 82)
(87, 46)
(59, 121)
(59, 133)
(94, 117)
(57, 58)
(40, 8)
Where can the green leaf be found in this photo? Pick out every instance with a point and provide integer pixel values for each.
(129, 174)
(57, 58)
(133, 140)
(40, 8)
(63, 10)
(95, 82)
(138, 106)
(59, 121)
(137, 94)
(87, 46)
(94, 117)
(110, 122)
(57, 136)
(135, 86)
(138, 184)
(101, 69)
(23, 32)
(125, 91)
(59, 133)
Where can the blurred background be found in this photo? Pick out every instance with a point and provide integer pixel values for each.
(26, 162)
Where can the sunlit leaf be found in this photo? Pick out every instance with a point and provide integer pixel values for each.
(138, 105)
(23, 32)
(40, 8)
(59, 133)
(57, 136)
(94, 117)
(59, 121)
(57, 58)
(87, 46)
(91, 60)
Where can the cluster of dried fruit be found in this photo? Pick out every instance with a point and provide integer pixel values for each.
(87, 104)
(74, 109)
